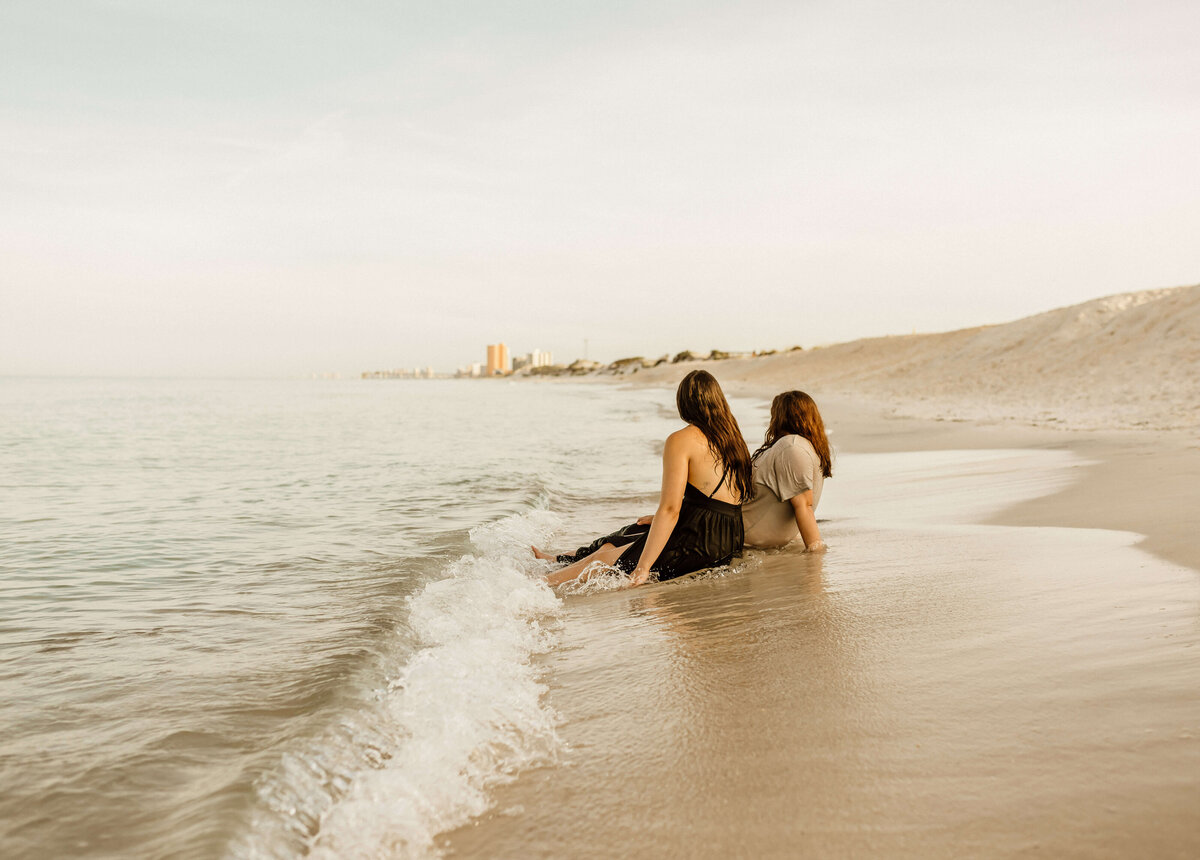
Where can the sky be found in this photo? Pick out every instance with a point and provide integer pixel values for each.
(280, 188)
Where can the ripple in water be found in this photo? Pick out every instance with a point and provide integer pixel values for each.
(261, 618)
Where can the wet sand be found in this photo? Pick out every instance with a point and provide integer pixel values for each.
(1143, 481)
(956, 677)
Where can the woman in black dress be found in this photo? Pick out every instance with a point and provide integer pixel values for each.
(698, 524)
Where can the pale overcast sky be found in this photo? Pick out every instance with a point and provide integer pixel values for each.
(276, 188)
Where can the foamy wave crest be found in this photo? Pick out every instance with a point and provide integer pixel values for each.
(463, 714)
(511, 537)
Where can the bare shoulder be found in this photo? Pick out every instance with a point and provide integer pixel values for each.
(686, 438)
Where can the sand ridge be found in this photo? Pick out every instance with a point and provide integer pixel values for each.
(1128, 361)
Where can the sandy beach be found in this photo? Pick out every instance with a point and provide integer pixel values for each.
(997, 657)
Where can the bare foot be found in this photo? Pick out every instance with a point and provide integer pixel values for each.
(544, 556)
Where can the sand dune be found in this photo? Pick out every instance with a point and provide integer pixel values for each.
(1122, 362)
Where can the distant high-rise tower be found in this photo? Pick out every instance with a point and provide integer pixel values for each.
(497, 359)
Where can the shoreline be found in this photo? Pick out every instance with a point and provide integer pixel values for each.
(1143, 481)
(931, 686)
(994, 657)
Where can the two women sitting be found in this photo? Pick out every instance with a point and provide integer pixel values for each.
(715, 496)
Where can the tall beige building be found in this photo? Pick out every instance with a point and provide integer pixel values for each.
(497, 359)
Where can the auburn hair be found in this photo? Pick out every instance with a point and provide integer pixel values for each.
(795, 413)
(702, 403)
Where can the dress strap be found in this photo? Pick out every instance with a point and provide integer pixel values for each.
(719, 483)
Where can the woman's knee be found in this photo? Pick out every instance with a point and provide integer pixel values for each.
(609, 551)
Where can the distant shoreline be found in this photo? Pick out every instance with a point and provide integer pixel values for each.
(1124, 362)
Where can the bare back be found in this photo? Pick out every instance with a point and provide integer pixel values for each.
(704, 470)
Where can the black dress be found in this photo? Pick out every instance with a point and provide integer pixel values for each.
(709, 533)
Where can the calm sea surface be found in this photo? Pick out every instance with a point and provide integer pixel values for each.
(237, 617)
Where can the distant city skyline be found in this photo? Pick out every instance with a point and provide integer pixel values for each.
(279, 189)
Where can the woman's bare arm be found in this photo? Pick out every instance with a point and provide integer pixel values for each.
(806, 518)
(675, 474)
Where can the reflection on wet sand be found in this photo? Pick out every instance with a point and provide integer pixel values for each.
(931, 691)
(722, 634)
(989, 691)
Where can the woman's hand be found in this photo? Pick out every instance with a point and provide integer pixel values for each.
(816, 546)
(646, 520)
(639, 576)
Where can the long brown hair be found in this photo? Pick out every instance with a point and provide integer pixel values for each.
(794, 412)
(701, 402)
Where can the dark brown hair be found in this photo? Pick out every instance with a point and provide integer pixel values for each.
(794, 412)
(702, 403)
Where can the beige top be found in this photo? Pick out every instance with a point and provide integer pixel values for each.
(783, 471)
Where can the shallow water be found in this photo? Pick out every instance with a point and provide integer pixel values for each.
(261, 618)
(928, 688)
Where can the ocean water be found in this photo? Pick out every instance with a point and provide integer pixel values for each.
(271, 618)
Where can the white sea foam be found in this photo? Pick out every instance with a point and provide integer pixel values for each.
(511, 537)
(596, 577)
(464, 713)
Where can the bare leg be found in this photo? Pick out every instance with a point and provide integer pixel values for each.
(544, 556)
(607, 554)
